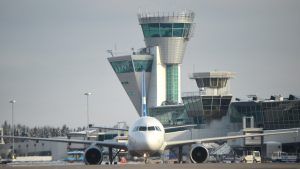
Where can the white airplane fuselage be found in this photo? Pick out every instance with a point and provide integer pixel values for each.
(146, 135)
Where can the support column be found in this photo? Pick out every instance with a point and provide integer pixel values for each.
(179, 154)
(110, 155)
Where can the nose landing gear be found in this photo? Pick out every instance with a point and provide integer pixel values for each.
(146, 158)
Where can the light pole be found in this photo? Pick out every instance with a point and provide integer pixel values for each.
(13, 128)
(87, 108)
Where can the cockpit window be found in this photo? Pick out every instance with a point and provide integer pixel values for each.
(151, 128)
(142, 128)
(136, 128)
(157, 128)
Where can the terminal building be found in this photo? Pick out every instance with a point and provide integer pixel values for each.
(269, 114)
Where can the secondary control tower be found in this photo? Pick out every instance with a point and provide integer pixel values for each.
(170, 33)
(212, 100)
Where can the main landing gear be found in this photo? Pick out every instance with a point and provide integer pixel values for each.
(111, 156)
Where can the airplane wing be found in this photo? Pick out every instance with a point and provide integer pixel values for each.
(117, 145)
(108, 128)
(170, 144)
(175, 128)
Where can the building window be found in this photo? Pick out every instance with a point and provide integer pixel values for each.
(122, 66)
(130, 93)
(166, 29)
(142, 65)
(178, 29)
(151, 30)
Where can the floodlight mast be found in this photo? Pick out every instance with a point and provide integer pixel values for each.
(13, 128)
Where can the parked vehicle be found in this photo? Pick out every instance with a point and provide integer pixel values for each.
(252, 157)
(5, 161)
(280, 156)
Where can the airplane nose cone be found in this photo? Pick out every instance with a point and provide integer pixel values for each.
(148, 141)
(152, 142)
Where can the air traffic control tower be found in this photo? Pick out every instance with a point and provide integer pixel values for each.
(171, 34)
(166, 38)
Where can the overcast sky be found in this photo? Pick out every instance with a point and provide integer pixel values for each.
(53, 51)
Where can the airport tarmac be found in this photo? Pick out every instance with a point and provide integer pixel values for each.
(165, 166)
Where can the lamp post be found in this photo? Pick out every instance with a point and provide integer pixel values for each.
(87, 108)
(13, 128)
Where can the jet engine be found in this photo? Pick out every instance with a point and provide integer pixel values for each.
(198, 154)
(93, 155)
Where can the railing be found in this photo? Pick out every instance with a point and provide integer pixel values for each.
(187, 14)
(189, 94)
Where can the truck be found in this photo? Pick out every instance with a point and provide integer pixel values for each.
(280, 156)
(252, 157)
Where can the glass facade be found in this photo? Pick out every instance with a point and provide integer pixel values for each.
(128, 66)
(172, 83)
(166, 29)
(140, 65)
(203, 109)
(268, 114)
(170, 115)
(122, 66)
(195, 110)
(212, 82)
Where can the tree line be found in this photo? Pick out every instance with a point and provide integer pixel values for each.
(37, 131)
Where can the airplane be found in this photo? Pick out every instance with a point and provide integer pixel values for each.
(146, 136)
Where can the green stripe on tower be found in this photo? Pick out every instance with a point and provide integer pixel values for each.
(172, 83)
